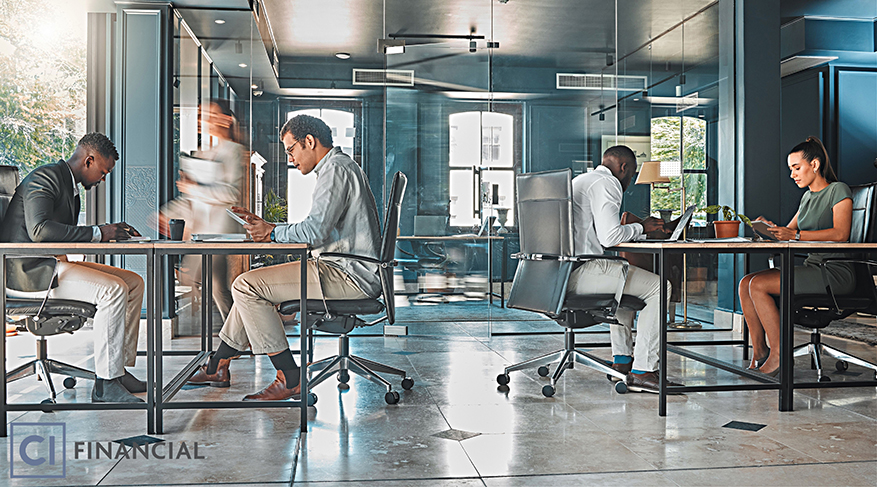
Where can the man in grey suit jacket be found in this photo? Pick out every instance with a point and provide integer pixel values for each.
(45, 208)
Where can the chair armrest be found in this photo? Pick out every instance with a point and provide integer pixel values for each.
(839, 259)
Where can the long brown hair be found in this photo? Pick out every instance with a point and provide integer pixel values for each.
(812, 148)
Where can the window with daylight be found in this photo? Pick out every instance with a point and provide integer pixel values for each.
(680, 142)
(482, 172)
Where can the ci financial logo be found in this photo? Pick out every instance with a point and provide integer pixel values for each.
(38, 450)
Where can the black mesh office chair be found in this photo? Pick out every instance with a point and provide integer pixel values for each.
(540, 283)
(43, 317)
(816, 311)
(339, 316)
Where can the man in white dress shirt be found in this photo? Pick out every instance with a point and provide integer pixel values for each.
(596, 227)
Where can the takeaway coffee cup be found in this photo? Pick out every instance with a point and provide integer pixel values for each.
(177, 226)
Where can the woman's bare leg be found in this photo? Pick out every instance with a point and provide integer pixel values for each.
(756, 329)
(762, 288)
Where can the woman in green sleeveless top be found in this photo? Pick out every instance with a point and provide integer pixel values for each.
(825, 214)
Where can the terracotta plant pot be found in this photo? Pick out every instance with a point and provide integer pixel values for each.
(727, 229)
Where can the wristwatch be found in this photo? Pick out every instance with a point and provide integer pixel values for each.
(272, 235)
(797, 234)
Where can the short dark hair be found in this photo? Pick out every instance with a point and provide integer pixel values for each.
(620, 153)
(812, 148)
(99, 143)
(300, 126)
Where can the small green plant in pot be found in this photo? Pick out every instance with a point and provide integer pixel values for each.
(730, 226)
(274, 210)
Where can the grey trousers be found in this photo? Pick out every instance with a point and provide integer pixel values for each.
(253, 320)
(602, 277)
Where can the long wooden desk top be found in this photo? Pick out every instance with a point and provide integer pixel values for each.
(449, 238)
(69, 247)
(761, 245)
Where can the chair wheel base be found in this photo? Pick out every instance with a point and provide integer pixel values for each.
(841, 366)
(548, 390)
(343, 377)
(825, 378)
(392, 397)
(407, 383)
(502, 379)
(542, 371)
(621, 387)
(70, 382)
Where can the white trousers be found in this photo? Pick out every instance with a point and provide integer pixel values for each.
(118, 295)
(601, 277)
(253, 321)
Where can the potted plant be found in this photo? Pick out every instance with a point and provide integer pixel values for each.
(730, 226)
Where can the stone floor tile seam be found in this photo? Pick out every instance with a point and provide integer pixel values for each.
(535, 477)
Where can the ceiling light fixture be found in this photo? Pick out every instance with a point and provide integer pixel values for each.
(242, 65)
(219, 21)
(342, 55)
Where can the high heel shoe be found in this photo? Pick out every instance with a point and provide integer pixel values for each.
(761, 361)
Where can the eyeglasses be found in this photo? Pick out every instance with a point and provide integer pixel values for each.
(290, 148)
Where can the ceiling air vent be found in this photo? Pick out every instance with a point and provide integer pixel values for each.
(383, 77)
(572, 81)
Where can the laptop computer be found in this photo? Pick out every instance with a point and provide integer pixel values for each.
(684, 220)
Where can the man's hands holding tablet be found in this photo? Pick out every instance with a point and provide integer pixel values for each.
(258, 228)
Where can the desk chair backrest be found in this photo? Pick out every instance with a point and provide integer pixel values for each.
(545, 227)
(388, 242)
(863, 227)
(8, 183)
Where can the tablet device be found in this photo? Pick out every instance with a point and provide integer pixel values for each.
(236, 217)
(763, 229)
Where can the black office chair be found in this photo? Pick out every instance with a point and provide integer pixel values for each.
(816, 311)
(339, 316)
(540, 282)
(42, 317)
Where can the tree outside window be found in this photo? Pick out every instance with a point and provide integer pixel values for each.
(680, 140)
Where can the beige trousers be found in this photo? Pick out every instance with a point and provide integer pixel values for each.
(253, 321)
(118, 295)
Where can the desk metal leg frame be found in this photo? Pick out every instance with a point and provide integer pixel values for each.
(164, 395)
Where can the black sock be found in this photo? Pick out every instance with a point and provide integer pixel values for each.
(284, 362)
(223, 352)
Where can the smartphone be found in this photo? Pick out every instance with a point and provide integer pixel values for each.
(236, 217)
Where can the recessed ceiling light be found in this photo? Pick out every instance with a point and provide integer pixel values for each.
(243, 65)
(342, 55)
(219, 21)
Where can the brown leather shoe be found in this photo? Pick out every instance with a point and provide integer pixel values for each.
(276, 391)
(222, 377)
(648, 382)
(623, 368)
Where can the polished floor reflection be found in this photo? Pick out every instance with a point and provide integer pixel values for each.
(456, 428)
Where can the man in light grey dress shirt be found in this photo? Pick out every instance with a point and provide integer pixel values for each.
(596, 227)
(343, 218)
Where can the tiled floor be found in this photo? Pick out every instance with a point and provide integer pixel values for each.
(586, 434)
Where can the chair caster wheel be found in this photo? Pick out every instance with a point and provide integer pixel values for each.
(407, 383)
(70, 382)
(841, 366)
(542, 371)
(825, 378)
(312, 399)
(47, 402)
(547, 390)
(392, 397)
(621, 387)
(343, 376)
(502, 379)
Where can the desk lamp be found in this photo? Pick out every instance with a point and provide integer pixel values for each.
(656, 174)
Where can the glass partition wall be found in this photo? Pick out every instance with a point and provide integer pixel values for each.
(462, 97)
